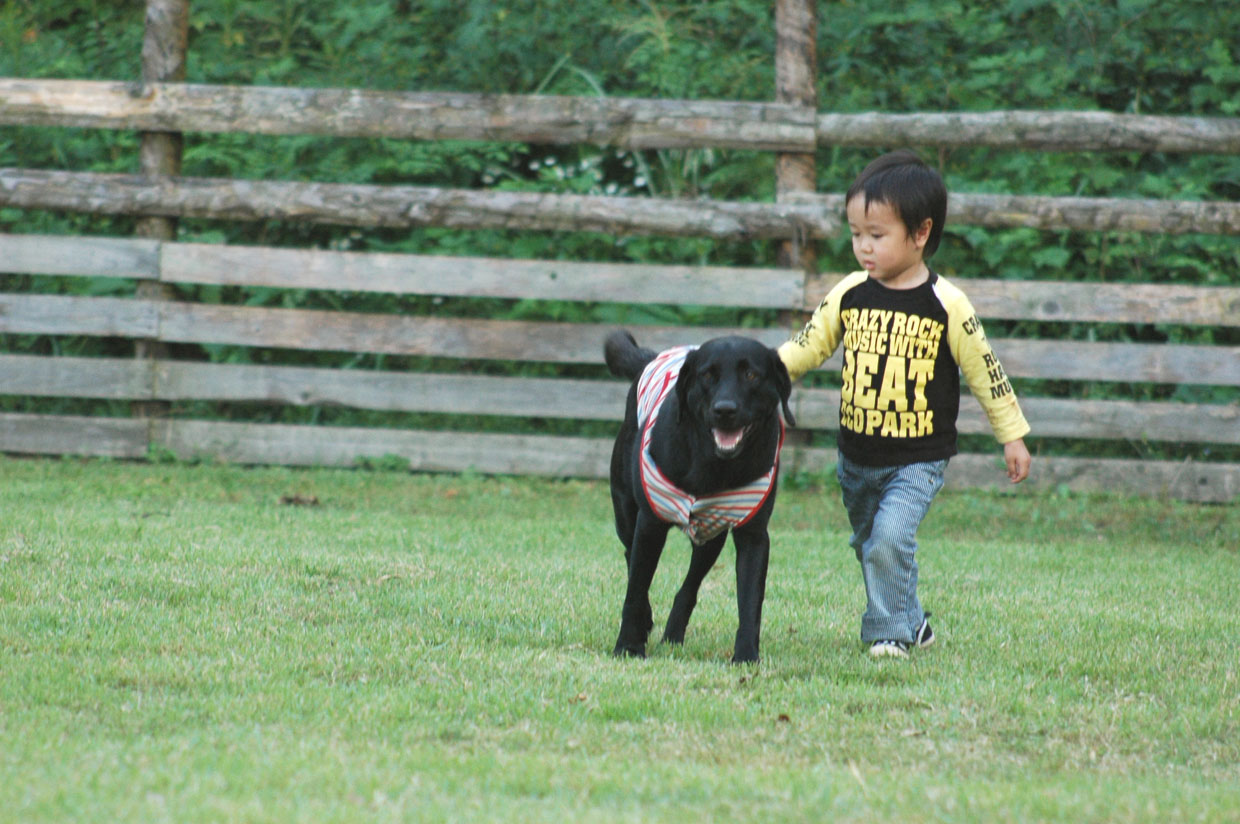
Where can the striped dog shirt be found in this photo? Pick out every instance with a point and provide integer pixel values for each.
(705, 517)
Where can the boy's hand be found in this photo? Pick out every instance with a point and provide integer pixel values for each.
(1018, 460)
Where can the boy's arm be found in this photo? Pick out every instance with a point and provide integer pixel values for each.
(1016, 456)
(821, 335)
(988, 382)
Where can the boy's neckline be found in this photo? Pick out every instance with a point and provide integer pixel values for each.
(929, 278)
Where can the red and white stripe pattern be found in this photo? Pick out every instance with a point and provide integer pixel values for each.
(700, 518)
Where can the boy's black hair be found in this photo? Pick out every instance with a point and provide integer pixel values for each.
(911, 188)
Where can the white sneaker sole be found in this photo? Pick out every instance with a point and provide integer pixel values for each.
(887, 651)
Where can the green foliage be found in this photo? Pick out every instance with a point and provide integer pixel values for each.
(1153, 57)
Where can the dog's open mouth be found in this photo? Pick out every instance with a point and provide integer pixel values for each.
(728, 442)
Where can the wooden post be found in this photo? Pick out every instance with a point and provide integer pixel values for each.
(796, 63)
(164, 47)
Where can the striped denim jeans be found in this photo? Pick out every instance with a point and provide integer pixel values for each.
(885, 506)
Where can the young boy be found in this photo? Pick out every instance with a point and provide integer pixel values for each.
(907, 335)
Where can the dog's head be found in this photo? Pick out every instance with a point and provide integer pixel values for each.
(732, 385)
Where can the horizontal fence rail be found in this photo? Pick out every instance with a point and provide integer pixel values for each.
(550, 455)
(408, 206)
(553, 398)
(631, 123)
(1034, 130)
(798, 217)
(224, 265)
(557, 398)
(613, 121)
(543, 342)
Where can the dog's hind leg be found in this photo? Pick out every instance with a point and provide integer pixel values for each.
(703, 559)
(649, 536)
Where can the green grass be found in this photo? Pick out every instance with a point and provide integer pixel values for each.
(178, 644)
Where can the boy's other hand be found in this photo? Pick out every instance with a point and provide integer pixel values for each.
(1018, 460)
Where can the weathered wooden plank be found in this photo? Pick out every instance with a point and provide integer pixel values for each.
(65, 377)
(479, 277)
(71, 255)
(407, 206)
(1096, 214)
(633, 123)
(549, 455)
(393, 391)
(588, 457)
(344, 446)
(1124, 362)
(61, 315)
(1119, 362)
(1047, 131)
(580, 343)
(568, 280)
(1090, 302)
(563, 398)
(1085, 214)
(604, 400)
(400, 335)
(547, 342)
(73, 435)
(1137, 421)
(799, 216)
(1183, 480)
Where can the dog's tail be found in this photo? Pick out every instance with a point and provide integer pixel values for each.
(624, 357)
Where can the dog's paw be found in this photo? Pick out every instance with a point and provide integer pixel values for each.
(622, 651)
(745, 657)
(674, 635)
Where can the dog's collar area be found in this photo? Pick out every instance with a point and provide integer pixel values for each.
(700, 518)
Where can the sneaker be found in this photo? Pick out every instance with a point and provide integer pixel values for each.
(924, 636)
(885, 648)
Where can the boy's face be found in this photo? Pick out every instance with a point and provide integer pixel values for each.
(883, 245)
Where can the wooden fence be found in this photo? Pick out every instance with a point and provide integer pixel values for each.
(158, 264)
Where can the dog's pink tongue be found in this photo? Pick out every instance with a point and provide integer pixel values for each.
(728, 441)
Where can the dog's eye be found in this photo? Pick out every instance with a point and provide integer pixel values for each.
(751, 375)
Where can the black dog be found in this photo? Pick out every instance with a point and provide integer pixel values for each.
(707, 462)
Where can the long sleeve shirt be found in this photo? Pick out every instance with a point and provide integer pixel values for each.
(904, 352)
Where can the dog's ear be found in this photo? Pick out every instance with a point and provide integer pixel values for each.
(684, 382)
(783, 383)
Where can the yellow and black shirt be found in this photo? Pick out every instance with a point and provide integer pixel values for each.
(904, 351)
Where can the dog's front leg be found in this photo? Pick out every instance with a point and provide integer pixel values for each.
(704, 558)
(753, 552)
(636, 619)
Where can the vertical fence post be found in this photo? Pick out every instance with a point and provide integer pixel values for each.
(796, 63)
(164, 47)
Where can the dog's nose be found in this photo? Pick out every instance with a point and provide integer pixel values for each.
(724, 410)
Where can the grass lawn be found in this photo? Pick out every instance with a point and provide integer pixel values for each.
(203, 643)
